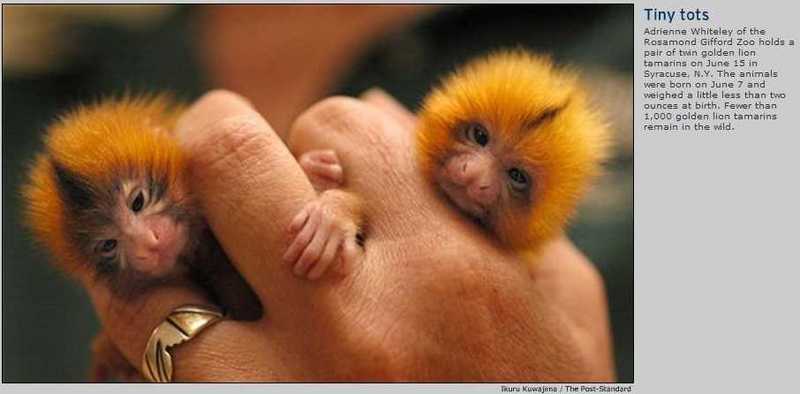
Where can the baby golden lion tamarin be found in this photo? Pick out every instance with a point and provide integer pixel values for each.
(109, 198)
(511, 141)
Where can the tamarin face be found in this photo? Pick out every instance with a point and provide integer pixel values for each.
(484, 175)
(134, 226)
(511, 142)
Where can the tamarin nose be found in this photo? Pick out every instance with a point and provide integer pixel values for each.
(150, 238)
(466, 169)
(470, 171)
(146, 244)
(146, 250)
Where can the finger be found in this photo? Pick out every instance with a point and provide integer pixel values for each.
(129, 321)
(325, 156)
(365, 139)
(336, 123)
(314, 249)
(299, 220)
(328, 171)
(328, 256)
(379, 98)
(349, 254)
(249, 187)
(303, 238)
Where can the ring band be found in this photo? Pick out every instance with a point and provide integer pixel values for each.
(182, 324)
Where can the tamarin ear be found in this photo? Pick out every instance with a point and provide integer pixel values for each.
(74, 190)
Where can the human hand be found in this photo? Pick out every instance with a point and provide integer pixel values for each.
(432, 298)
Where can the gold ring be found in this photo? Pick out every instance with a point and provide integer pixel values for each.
(182, 324)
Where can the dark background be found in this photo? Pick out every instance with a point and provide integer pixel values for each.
(48, 321)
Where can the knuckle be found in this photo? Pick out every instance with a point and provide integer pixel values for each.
(220, 95)
(309, 256)
(347, 227)
(336, 107)
(329, 221)
(240, 139)
(304, 256)
(314, 256)
(316, 221)
(338, 227)
(300, 240)
(304, 237)
(332, 115)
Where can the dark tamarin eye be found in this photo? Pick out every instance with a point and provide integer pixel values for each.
(519, 179)
(107, 247)
(477, 133)
(138, 202)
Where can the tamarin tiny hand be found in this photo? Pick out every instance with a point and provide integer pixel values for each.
(325, 230)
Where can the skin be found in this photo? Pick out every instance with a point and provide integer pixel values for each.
(475, 176)
(143, 236)
(325, 229)
(422, 303)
